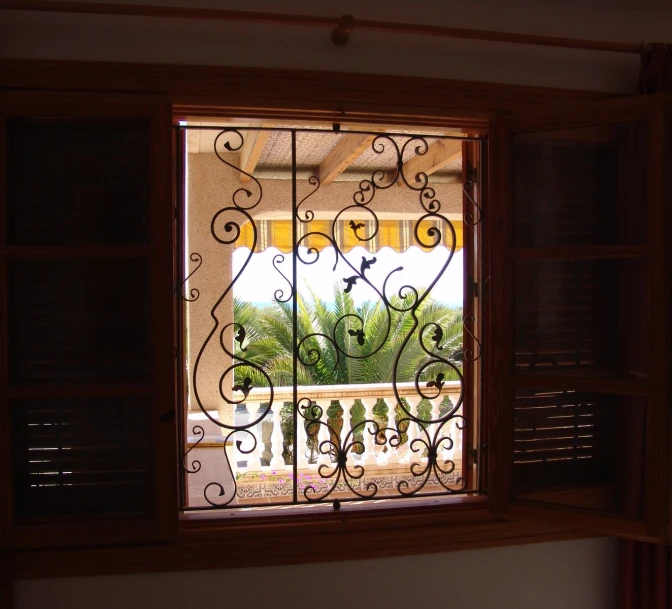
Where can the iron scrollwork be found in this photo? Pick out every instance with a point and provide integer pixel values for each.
(471, 218)
(334, 445)
(194, 293)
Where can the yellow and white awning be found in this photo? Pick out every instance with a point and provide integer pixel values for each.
(397, 234)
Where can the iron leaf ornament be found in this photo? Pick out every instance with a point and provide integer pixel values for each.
(240, 338)
(245, 388)
(366, 264)
(437, 337)
(350, 281)
(438, 383)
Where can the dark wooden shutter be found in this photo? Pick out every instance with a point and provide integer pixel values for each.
(88, 391)
(578, 420)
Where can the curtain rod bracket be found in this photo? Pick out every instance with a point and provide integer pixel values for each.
(341, 35)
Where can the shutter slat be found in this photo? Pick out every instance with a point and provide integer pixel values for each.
(78, 320)
(559, 318)
(554, 430)
(81, 455)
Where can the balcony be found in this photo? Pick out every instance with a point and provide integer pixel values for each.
(357, 423)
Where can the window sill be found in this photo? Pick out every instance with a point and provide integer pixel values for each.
(281, 539)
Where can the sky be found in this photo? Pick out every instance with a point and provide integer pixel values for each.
(260, 279)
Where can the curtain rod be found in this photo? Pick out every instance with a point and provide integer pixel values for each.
(341, 27)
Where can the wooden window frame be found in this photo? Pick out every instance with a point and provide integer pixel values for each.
(428, 526)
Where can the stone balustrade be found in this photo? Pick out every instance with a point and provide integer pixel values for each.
(366, 414)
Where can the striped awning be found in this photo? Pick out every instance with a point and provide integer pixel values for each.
(397, 234)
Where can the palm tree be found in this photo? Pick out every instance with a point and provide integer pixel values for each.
(346, 344)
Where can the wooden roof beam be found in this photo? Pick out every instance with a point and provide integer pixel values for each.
(250, 152)
(438, 155)
(349, 148)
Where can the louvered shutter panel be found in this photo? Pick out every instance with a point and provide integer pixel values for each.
(577, 420)
(560, 438)
(562, 317)
(87, 323)
(82, 456)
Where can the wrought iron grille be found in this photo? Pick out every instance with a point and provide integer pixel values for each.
(300, 399)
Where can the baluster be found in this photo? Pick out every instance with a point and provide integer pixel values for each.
(301, 443)
(413, 431)
(346, 405)
(392, 455)
(323, 435)
(436, 402)
(369, 456)
(277, 460)
(241, 417)
(457, 436)
(254, 458)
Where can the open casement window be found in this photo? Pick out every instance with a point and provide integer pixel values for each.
(87, 412)
(358, 378)
(577, 407)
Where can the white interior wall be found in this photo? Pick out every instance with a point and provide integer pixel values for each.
(576, 574)
(579, 574)
(89, 37)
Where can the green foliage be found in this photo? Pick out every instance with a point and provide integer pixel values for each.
(388, 335)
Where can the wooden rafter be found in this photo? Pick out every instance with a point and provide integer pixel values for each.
(349, 147)
(254, 144)
(438, 155)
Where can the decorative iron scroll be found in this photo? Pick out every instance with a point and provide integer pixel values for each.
(194, 293)
(304, 449)
(471, 218)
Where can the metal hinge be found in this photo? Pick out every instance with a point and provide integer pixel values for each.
(480, 290)
(475, 454)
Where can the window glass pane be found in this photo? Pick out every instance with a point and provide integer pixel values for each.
(582, 317)
(82, 456)
(583, 186)
(579, 448)
(79, 320)
(77, 183)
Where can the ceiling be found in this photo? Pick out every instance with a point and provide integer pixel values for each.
(357, 155)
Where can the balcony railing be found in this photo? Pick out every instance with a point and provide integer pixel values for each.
(262, 459)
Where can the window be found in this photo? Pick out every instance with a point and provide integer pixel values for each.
(329, 353)
(574, 303)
